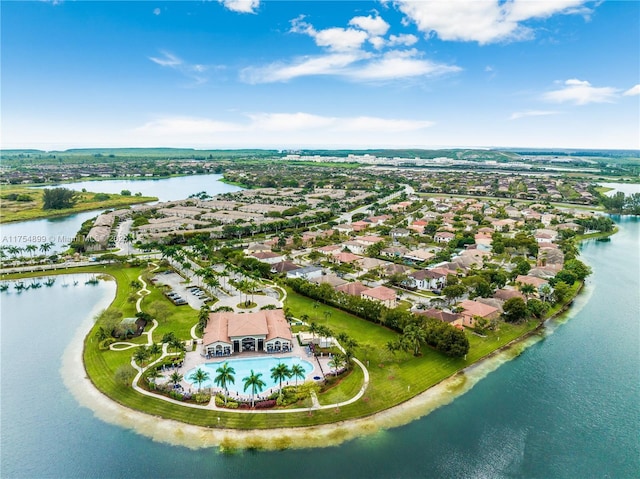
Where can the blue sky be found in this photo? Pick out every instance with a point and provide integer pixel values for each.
(321, 74)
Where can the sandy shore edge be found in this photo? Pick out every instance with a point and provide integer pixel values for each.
(180, 434)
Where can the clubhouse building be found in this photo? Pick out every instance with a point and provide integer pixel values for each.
(228, 333)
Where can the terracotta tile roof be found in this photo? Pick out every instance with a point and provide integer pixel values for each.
(226, 325)
(381, 293)
(354, 289)
(474, 308)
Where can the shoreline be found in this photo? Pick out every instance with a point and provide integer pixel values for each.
(177, 433)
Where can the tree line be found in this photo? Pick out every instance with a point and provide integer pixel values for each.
(415, 330)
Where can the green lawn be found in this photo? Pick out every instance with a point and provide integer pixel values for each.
(393, 378)
(29, 210)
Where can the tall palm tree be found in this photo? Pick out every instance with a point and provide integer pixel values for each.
(176, 344)
(30, 248)
(152, 374)
(199, 376)
(314, 329)
(297, 371)
(413, 336)
(225, 376)
(256, 384)
(45, 247)
(279, 372)
(527, 290)
(337, 361)
(141, 355)
(175, 378)
(155, 349)
(14, 250)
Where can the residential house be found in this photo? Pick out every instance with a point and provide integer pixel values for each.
(308, 272)
(268, 257)
(472, 309)
(443, 236)
(427, 279)
(446, 317)
(353, 289)
(382, 294)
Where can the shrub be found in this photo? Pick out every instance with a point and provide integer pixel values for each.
(124, 375)
(105, 343)
(202, 398)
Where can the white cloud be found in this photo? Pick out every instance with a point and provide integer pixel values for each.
(524, 114)
(375, 26)
(482, 21)
(404, 39)
(330, 64)
(167, 60)
(183, 125)
(157, 11)
(193, 71)
(288, 121)
(274, 126)
(346, 56)
(241, 6)
(633, 91)
(400, 64)
(340, 39)
(335, 39)
(581, 92)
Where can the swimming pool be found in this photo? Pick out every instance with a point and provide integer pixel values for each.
(243, 369)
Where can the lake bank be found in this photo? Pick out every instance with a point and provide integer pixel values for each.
(20, 211)
(178, 433)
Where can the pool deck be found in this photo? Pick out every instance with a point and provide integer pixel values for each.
(196, 358)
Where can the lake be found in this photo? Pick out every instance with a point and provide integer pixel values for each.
(567, 407)
(626, 188)
(61, 231)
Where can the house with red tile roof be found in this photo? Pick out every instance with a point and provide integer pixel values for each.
(472, 309)
(382, 294)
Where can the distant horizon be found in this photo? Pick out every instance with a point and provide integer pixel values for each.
(323, 148)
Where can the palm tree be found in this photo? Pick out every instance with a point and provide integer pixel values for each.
(314, 328)
(30, 248)
(199, 376)
(336, 362)
(128, 239)
(175, 378)
(256, 384)
(297, 371)
(225, 376)
(316, 305)
(155, 349)
(327, 315)
(545, 292)
(280, 372)
(413, 336)
(141, 355)
(14, 250)
(527, 290)
(176, 344)
(45, 247)
(152, 374)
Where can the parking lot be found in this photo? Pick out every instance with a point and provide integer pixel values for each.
(179, 286)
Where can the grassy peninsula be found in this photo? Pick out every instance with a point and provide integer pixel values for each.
(21, 203)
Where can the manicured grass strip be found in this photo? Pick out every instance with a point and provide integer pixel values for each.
(347, 388)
